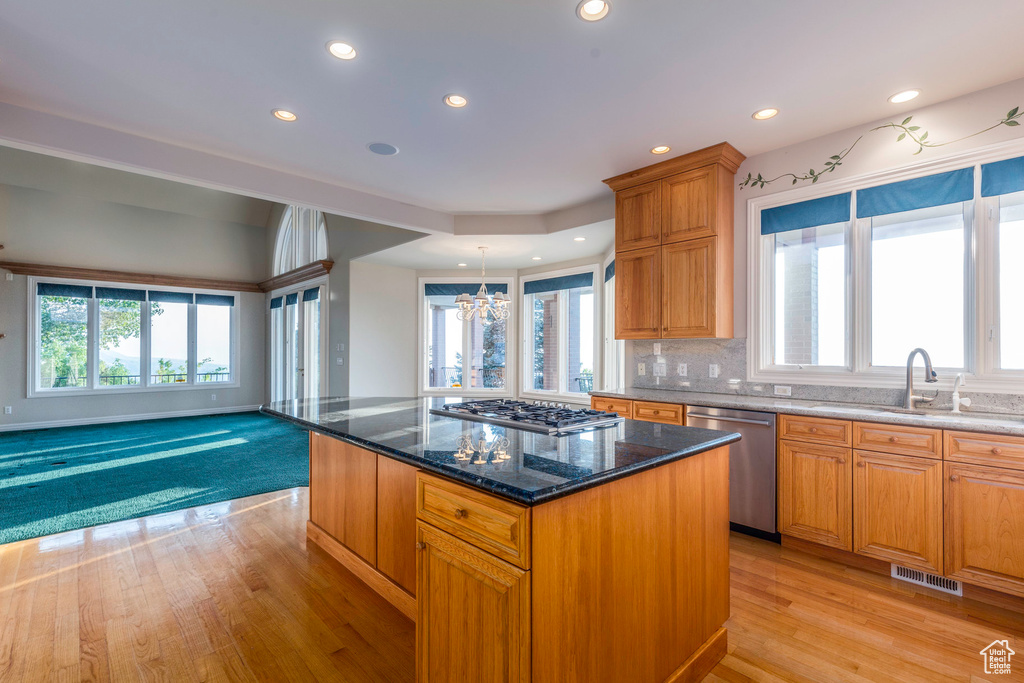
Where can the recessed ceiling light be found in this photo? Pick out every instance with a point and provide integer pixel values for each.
(592, 10)
(660, 149)
(457, 101)
(383, 149)
(341, 50)
(284, 115)
(536, 258)
(765, 114)
(462, 265)
(905, 96)
(579, 239)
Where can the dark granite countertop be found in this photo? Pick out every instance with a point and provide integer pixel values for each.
(538, 468)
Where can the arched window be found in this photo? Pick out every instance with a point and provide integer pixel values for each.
(301, 239)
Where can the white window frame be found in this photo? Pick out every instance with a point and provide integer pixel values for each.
(980, 295)
(34, 390)
(614, 349)
(423, 364)
(526, 320)
(277, 374)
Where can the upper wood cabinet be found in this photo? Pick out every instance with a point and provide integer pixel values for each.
(638, 217)
(638, 294)
(674, 223)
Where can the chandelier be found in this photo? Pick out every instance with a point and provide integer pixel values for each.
(490, 309)
(483, 451)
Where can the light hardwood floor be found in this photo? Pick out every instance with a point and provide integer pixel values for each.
(230, 592)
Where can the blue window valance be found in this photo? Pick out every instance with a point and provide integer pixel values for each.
(57, 289)
(809, 214)
(916, 193)
(457, 288)
(555, 284)
(609, 271)
(215, 300)
(291, 299)
(120, 294)
(276, 302)
(311, 294)
(171, 297)
(1002, 177)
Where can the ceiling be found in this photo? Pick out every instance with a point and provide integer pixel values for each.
(503, 251)
(555, 103)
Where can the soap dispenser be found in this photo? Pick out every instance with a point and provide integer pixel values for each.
(957, 401)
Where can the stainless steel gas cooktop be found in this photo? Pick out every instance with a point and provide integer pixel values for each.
(537, 417)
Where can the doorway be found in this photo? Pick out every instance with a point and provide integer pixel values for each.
(297, 340)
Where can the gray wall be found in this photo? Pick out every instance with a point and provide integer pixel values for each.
(383, 333)
(59, 212)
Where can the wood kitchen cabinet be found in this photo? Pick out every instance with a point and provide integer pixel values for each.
(344, 500)
(985, 526)
(814, 491)
(674, 247)
(638, 294)
(897, 509)
(396, 522)
(473, 620)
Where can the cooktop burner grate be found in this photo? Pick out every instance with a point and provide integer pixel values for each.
(550, 419)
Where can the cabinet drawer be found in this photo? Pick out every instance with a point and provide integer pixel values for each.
(986, 449)
(666, 413)
(815, 430)
(621, 406)
(926, 443)
(497, 526)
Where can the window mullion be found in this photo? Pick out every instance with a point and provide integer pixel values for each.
(193, 360)
(92, 350)
(145, 344)
(860, 291)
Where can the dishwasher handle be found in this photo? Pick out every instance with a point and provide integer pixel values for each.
(705, 416)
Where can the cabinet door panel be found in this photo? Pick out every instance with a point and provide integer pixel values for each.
(638, 217)
(396, 522)
(814, 493)
(897, 509)
(688, 277)
(985, 526)
(343, 493)
(638, 294)
(688, 204)
(473, 621)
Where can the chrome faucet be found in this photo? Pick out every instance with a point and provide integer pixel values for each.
(910, 402)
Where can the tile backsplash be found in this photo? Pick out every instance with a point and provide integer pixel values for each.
(730, 355)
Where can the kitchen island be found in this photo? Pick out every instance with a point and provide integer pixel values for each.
(594, 556)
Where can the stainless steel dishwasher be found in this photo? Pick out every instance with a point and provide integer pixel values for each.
(751, 466)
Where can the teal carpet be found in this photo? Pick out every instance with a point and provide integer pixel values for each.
(54, 480)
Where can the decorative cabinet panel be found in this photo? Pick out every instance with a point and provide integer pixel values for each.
(688, 205)
(665, 413)
(688, 275)
(396, 522)
(897, 509)
(814, 493)
(473, 622)
(623, 407)
(638, 294)
(815, 429)
(985, 526)
(343, 493)
(638, 217)
(902, 439)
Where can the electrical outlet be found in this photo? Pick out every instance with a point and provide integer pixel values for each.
(682, 370)
(713, 371)
(660, 370)
(339, 361)
(10, 277)
(641, 369)
(213, 397)
(657, 349)
(340, 348)
(8, 410)
(783, 390)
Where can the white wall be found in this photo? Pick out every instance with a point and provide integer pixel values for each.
(80, 219)
(382, 334)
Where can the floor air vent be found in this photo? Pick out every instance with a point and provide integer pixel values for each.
(939, 583)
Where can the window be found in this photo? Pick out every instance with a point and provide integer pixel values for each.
(301, 239)
(462, 357)
(184, 338)
(845, 286)
(559, 334)
(614, 349)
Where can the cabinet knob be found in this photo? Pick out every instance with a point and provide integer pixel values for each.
(861, 464)
(841, 461)
(421, 545)
(656, 412)
(814, 430)
(954, 477)
(460, 513)
(997, 451)
(893, 439)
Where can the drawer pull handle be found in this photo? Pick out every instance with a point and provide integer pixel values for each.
(954, 477)
(997, 451)
(460, 513)
(893, 439)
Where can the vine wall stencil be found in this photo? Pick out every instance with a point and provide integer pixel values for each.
(912, 133)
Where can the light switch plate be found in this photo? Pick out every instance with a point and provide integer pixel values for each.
(713, 370)
(682, 370)
(10, 277)
(657, 349)
(641, 369)
(8, 410)
(660, 370)
(339, 361)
